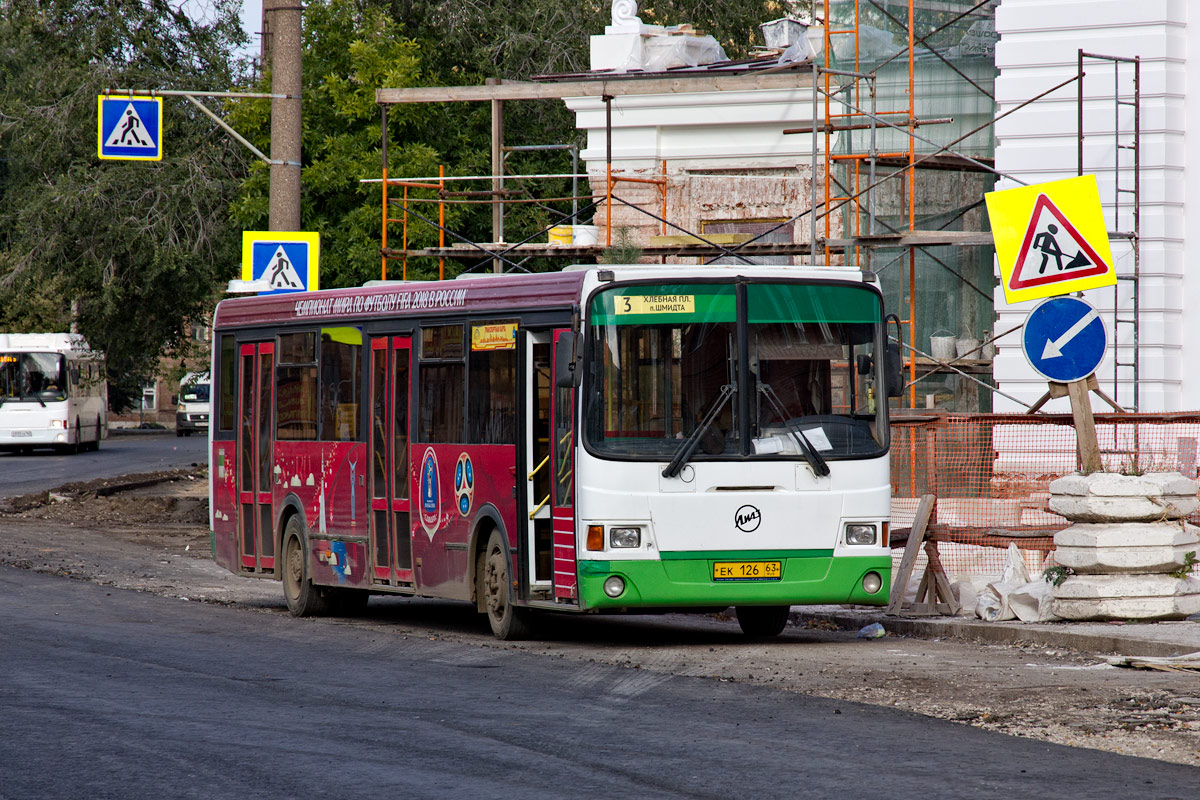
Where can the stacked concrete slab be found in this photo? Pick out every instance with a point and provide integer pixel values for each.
(1130, 533)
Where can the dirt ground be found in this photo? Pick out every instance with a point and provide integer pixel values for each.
(149, 533)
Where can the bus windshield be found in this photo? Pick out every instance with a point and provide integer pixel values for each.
(666, 365)
(32, 377)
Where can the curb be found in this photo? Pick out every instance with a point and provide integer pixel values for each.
(1089, 638)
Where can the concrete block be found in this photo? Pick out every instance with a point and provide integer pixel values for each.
(1109, 497)
(1126, 547)
(1147, 597)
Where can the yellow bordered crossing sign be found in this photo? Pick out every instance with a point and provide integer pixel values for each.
(129, 128)
(1051, 239)
(287, 261)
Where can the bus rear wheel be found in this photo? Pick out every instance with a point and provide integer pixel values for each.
(303, 598)
(762, 622)
(508, 621)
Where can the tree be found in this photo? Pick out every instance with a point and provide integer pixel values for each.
(129, 252)
(353, 47)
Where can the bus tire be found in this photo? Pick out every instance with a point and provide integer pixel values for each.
(762, 622)
(95, 445)
(79, 444)
(303, 598)
(509, 622)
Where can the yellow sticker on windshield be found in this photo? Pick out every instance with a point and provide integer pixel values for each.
(656, 304)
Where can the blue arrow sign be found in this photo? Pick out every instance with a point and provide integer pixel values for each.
(129, 128)
(1064, 339)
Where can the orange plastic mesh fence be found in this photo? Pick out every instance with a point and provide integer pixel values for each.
(991, 475)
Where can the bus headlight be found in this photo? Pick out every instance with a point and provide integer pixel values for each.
(857, 533)
(614, 585)
(624, 537)
(872, 582)
(58, 423)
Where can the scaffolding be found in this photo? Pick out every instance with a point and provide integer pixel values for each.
(898, 180)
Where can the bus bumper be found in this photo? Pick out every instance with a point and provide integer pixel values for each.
(57, 437)
(682, 583)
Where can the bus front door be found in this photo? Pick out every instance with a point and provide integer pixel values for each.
(538, 544)
(391, 534)
(562, 500)
(255, 438)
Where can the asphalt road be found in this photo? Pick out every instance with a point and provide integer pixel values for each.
(119, 454)
(111, 693)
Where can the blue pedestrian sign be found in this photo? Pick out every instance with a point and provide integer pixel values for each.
(284, 261)
(129, 128)
(1064, 339)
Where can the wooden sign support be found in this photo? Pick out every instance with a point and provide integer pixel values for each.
(1081, 410)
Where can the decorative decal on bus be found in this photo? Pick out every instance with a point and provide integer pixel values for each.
(500, 336)
(381, 303)
(431, 505)
(464, 484)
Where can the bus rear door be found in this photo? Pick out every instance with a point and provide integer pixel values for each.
(391, 532)
(255, 440)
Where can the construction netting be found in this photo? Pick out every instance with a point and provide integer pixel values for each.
(991, 475)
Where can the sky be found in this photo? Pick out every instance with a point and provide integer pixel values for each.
(252, 22)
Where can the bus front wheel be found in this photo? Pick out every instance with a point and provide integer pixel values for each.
(303, 598)
(508, 621)
(762, 622)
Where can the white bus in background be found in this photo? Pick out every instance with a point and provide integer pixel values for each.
(53, 393)
(194, 402)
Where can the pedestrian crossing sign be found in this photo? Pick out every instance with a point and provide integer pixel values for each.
(284, 261)
(129, 128)
(1051, 239)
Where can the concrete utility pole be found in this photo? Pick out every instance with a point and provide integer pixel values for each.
(281, 41)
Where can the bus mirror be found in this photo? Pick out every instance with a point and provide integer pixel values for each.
(894, 375)
(566, 375)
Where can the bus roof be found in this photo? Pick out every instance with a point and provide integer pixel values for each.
(45, 342)
(504, 293)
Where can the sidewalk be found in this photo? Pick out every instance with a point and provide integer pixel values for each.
(1159, 639)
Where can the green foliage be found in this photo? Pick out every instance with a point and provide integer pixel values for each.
(1189, 561)
(130, 251)
(1057, 575)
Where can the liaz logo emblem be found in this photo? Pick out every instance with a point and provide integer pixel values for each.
(431, 504)
(747, 519)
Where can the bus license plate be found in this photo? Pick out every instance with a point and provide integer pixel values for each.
(22, 433)
(747, 570)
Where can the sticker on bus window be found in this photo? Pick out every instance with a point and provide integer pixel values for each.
(656, 304)
(502, 336)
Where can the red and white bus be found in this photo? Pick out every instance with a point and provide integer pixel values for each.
(601, 439)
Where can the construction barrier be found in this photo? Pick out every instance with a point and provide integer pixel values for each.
(991, 475)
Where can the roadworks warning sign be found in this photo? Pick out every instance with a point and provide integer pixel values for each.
(1051, 239)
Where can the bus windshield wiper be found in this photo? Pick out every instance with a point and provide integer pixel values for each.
(689, 444)
(807, 450)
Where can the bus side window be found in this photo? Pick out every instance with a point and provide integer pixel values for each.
(441, 385)
(228, 384)
(296, 388)
(492, 384)
(341, 379)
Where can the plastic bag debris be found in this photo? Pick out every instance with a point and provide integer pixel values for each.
(1015, 596)
(872, 631)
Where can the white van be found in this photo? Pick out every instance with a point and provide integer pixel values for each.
(194, 404)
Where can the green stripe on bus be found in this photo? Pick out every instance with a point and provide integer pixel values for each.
(683, 583)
